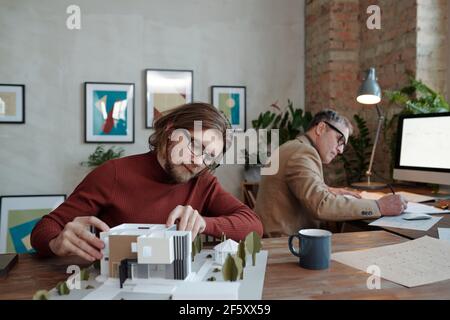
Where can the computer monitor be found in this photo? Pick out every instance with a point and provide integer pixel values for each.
(423, 148)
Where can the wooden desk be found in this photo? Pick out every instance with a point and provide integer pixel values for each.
(32, 274)
(284, 278)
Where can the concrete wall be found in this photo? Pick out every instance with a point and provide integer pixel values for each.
(256, 43)
(448, 55)
(432, 51)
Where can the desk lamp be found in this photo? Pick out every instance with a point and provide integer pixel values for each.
(370, 93)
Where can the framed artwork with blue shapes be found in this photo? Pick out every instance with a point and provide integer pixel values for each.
(19, 215)
(231, 101)
(109, 112)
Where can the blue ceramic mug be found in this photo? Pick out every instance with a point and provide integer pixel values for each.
(315, 248)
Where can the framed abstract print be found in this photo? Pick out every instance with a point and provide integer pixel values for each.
(12, 103)
(232, 102)
(19, 215)
(109, 112)
(166, 90)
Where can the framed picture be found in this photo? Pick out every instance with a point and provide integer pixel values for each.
(232, 102)
(12, 103)
(109, 112)
(19, 215)
(166, 90)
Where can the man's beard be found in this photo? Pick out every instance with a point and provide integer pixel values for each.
(178, 172)
(176, 175)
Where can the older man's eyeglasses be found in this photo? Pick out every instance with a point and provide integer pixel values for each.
(341, 140)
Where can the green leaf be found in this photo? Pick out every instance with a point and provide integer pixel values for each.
(276, 122)
(100, 156)
(292, 121)
(355, 159)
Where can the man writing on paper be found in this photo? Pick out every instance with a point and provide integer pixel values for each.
(170, 184)
(297, 197)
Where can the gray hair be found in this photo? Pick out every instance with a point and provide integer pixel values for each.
(330, 116)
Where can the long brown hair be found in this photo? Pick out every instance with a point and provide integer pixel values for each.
(183, 117)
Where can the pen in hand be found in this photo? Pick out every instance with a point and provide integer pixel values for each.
(392, 189)
(405, 203)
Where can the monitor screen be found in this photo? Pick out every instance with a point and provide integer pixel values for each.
(423, 147)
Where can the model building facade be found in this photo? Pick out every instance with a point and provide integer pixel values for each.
(142, 251)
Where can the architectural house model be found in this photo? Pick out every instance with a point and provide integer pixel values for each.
(222, 250)
(143, 251)
(152, 261)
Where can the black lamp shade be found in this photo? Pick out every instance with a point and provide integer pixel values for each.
(370, 91)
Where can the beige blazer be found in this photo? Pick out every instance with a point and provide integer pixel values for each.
(297, 197)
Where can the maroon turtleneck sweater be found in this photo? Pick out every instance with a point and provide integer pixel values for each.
(136, 189)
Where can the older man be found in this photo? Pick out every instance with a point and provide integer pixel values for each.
(170, 184)
(297, 197)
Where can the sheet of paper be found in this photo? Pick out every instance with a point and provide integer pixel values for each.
(410, 197)
(399, 222)
(412, 263)
(444, 234)
(372, 195)
(423, 208)
(414, 197)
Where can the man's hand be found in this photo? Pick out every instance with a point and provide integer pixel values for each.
(188, 220)
(76, 239)
(342, 192)
(392, 205)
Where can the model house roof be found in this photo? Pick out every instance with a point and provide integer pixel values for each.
(227, 246)
(138, 229)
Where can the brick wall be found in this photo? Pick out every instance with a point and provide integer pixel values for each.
(392, 51)
(332, 49)
(317, 83)
(339, 48)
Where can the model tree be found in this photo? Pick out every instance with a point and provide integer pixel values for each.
(242, 253)
(62, 288)
(41, 295)
(197, 246)
(232, 268)
(84, 274)
(253, 244)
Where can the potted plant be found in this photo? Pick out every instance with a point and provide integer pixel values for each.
(100, 156)
(289, 121)
(356, 159)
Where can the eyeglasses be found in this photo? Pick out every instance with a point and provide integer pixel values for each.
(198, 150)
(341, 140)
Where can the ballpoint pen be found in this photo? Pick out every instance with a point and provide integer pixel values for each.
(392, 189)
